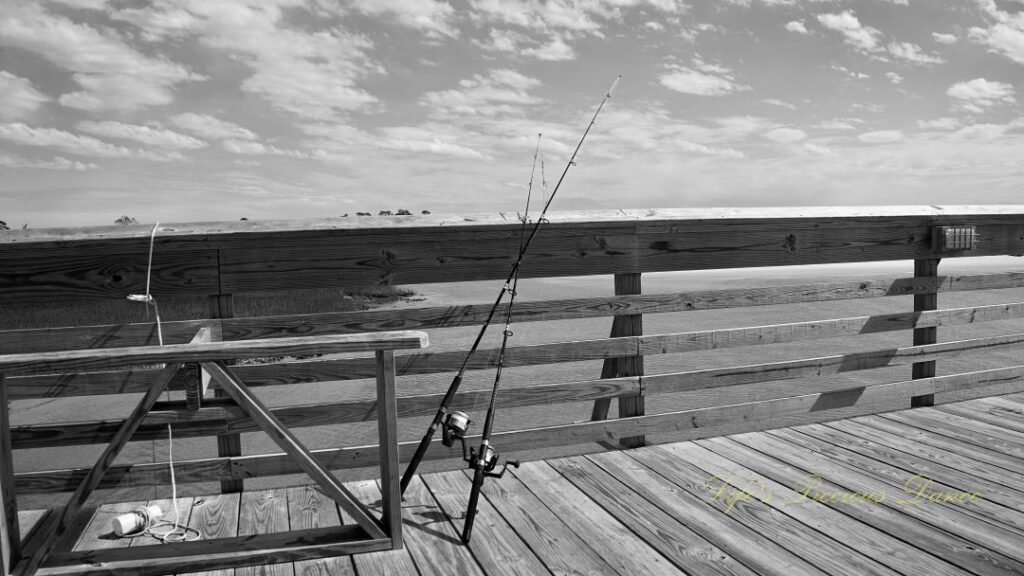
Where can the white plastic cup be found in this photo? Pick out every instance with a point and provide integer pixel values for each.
(136, 520)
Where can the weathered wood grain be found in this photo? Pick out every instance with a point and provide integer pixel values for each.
(288, 442)
(686, 424)
(10, 532)
(751, 546)
(793, 446)
(106, 358)
(215, 517)
(259, 549)
(263, 512)
(22, 387)
(496, 546)
(272, 256)
(671, 538)
(386, 562)
(623, 550)
(925, 268)
(766, 461)
(430, 538)
(93, 478)
(42, 340)
(309, 509)
(219, 417)
(555, 543)
(848, 533)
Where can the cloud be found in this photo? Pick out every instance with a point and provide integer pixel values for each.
(112, 74)
(1005, 35)
(688, 146)
(784, 135)
(206, 126)
(861, 37)
(57, 163)
(707, 80)
(844, 124)
(945, 123)
(894, 77)
(797, 26)
(978, 94)
(912, 53)
(881, 136)
(76, 144)
(159, 137)
(779, 103)
(248, 147)
(502, 91)
(428, 16)
(18, 98)
(302, 60)
(943, 38)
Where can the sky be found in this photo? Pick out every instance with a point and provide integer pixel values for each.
(202, 110)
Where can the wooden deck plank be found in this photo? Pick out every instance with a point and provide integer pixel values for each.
(309, 508)
(947, 444)
(751, 547)
(496, 546)
(970, 469)
(991, 413)
(765, 459)
(98, 533)
(386, 563)
(29, 520)
(768, 522)
(964, 429)
(673, 539)
(555, 543)
(850, 531)
(431, 539)
(618, 546)
(908, 475)
(263, 512)
(216, 517)
(793, 446)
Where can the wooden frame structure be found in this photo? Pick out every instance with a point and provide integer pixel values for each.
(369, 534)
(216, 260)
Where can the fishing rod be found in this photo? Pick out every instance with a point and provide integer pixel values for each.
(456, 423)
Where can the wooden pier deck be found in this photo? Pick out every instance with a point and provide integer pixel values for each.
(930, 491)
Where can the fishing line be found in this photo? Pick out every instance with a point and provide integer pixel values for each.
(147, 523)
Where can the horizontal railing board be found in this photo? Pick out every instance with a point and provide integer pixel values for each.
(41, 340)
(45, 362)
(280, 256)
(25, 387)
(686, 424)
(221, 416)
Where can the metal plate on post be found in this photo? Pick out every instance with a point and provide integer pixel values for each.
(954, 238)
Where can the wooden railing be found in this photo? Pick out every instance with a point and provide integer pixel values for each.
(661, 373)
(186, 360)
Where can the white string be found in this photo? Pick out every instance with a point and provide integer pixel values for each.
(177, 532)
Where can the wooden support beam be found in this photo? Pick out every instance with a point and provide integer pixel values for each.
(387, 432)
(624, 325)
(221, 306)
(10, 535)
(93, 477)
(219, 553)
(197, 380)
(925, 268)
(293, 447)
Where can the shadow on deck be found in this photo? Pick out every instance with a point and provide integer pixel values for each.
(928, 491)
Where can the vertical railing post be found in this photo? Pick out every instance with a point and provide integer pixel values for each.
(624, 325)
(221, 306)
(387, 432)
(925, 268)
(10, 535)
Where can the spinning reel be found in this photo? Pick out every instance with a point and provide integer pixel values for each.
(454, 427)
